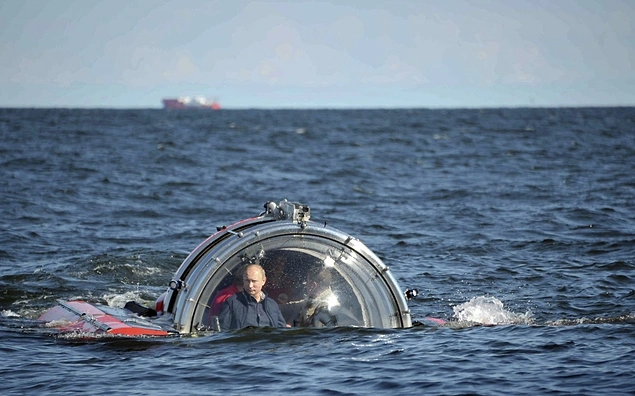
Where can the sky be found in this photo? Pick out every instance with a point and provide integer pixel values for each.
(318, 54)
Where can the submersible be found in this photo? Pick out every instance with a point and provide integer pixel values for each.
(288, 244)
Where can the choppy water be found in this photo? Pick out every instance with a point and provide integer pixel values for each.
(533, 209)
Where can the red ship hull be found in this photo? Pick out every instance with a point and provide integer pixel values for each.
(187, 104)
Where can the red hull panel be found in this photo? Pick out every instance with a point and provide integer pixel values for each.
(80, 316)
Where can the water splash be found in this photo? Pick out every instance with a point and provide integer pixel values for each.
(488, 311)
(9, 314)
(119, 300)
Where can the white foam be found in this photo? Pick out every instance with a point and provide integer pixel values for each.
(119, 300)
(9, 314)
(488, 311)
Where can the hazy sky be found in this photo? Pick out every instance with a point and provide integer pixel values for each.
(272, 54)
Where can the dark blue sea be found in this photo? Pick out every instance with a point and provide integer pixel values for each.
(516, 225)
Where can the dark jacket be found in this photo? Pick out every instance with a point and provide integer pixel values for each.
(241, 310)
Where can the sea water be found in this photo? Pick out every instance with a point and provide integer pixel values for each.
(517, 226)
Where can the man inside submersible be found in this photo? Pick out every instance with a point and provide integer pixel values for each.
(254, 308)
(251, 307)
(320, 307)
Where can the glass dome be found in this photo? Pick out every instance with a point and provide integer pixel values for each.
(290, 248)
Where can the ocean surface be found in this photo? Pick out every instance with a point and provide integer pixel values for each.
(516, 225)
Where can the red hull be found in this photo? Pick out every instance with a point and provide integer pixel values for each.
(82, 317)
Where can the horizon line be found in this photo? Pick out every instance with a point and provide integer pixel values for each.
(485, 107)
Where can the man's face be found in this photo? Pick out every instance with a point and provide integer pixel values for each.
(312, 288)
(253, 281)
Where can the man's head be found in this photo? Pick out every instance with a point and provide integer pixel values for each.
(253, 280)
(318, 279)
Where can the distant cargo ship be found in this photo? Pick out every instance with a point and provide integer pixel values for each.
(198, 102)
